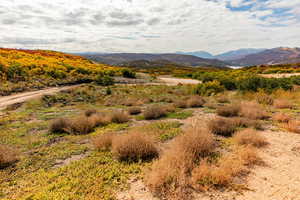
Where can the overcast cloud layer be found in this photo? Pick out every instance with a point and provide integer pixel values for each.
(149, 25)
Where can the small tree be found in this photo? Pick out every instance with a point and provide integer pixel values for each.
(104, 80)
(127, 73)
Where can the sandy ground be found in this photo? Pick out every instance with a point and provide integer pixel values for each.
(277, 179)
(279, 75)
(25, 96)
(175, 81)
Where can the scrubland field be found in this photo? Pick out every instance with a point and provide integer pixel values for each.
(234, 135)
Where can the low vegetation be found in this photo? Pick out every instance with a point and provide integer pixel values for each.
(175, 154)
(134, 146)
(8, 156)
(222, 126)
(250, 137)
(154, 112)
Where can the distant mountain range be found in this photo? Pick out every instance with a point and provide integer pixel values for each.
(230, 55)
(124, 58)
(240, 57)
(281, 55)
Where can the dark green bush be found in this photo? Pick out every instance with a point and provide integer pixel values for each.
(104, 80)
(209, 88)
(127, 73)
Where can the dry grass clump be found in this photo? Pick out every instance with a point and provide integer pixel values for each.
(134, 110)
(181, 103)
(90, 112)
(59, 125)
(253, 110)
(134, 146)
(248, 155)
(81, 125)
(264, 99)
(7, 156)
(130, 102)
(283, 104)
(221, 174)
(169, 174)
(119, 117)
(101, 119)
(293, 126)
(247, 123)
(103, 142)
(222, 126)
(250, 137)
(229, 110)
(281, 117)
(170, 108)
(154, 112)
(211, 105)
(223, 99)
(195, 101)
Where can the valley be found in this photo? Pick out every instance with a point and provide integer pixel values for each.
(150, 133)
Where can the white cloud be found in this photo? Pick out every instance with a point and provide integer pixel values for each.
(145, 25)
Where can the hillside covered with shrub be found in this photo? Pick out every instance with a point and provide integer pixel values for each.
(26, 69)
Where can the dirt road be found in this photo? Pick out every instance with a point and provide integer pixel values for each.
(25, 96)
(175, 81)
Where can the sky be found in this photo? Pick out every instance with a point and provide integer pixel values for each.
(149, 26)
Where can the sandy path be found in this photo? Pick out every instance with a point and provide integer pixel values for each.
(25, 96)
(175, 81)
(283, 75)
(280, 179)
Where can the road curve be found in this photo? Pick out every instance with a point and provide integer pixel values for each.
(25, 96)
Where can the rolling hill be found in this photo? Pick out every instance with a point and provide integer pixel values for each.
(185, 60)
(230, 55)
(281, 55)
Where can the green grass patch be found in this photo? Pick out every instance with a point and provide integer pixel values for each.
(180, 115)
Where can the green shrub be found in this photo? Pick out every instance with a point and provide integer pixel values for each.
(104, 80)
(209, 88)
(127, 73)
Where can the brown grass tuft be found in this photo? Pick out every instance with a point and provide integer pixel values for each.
(195, 101)
(81, 125)
(222, 126)
(281, 117)
(7, 156)
(293, 126)
(253, 110)
(248, 155)
(59, 125)
(221, 174)
(101, 119)
(247, 123)
(90, 112)
(154, 112)
(103, 142)
(223, 99)
(119, 117)
(229, 110)
(250, 137)
(133, 147)
(263, 98)
(168, 175)
(211, 105)
(181, 103)
(134, 110)
(283, 104)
